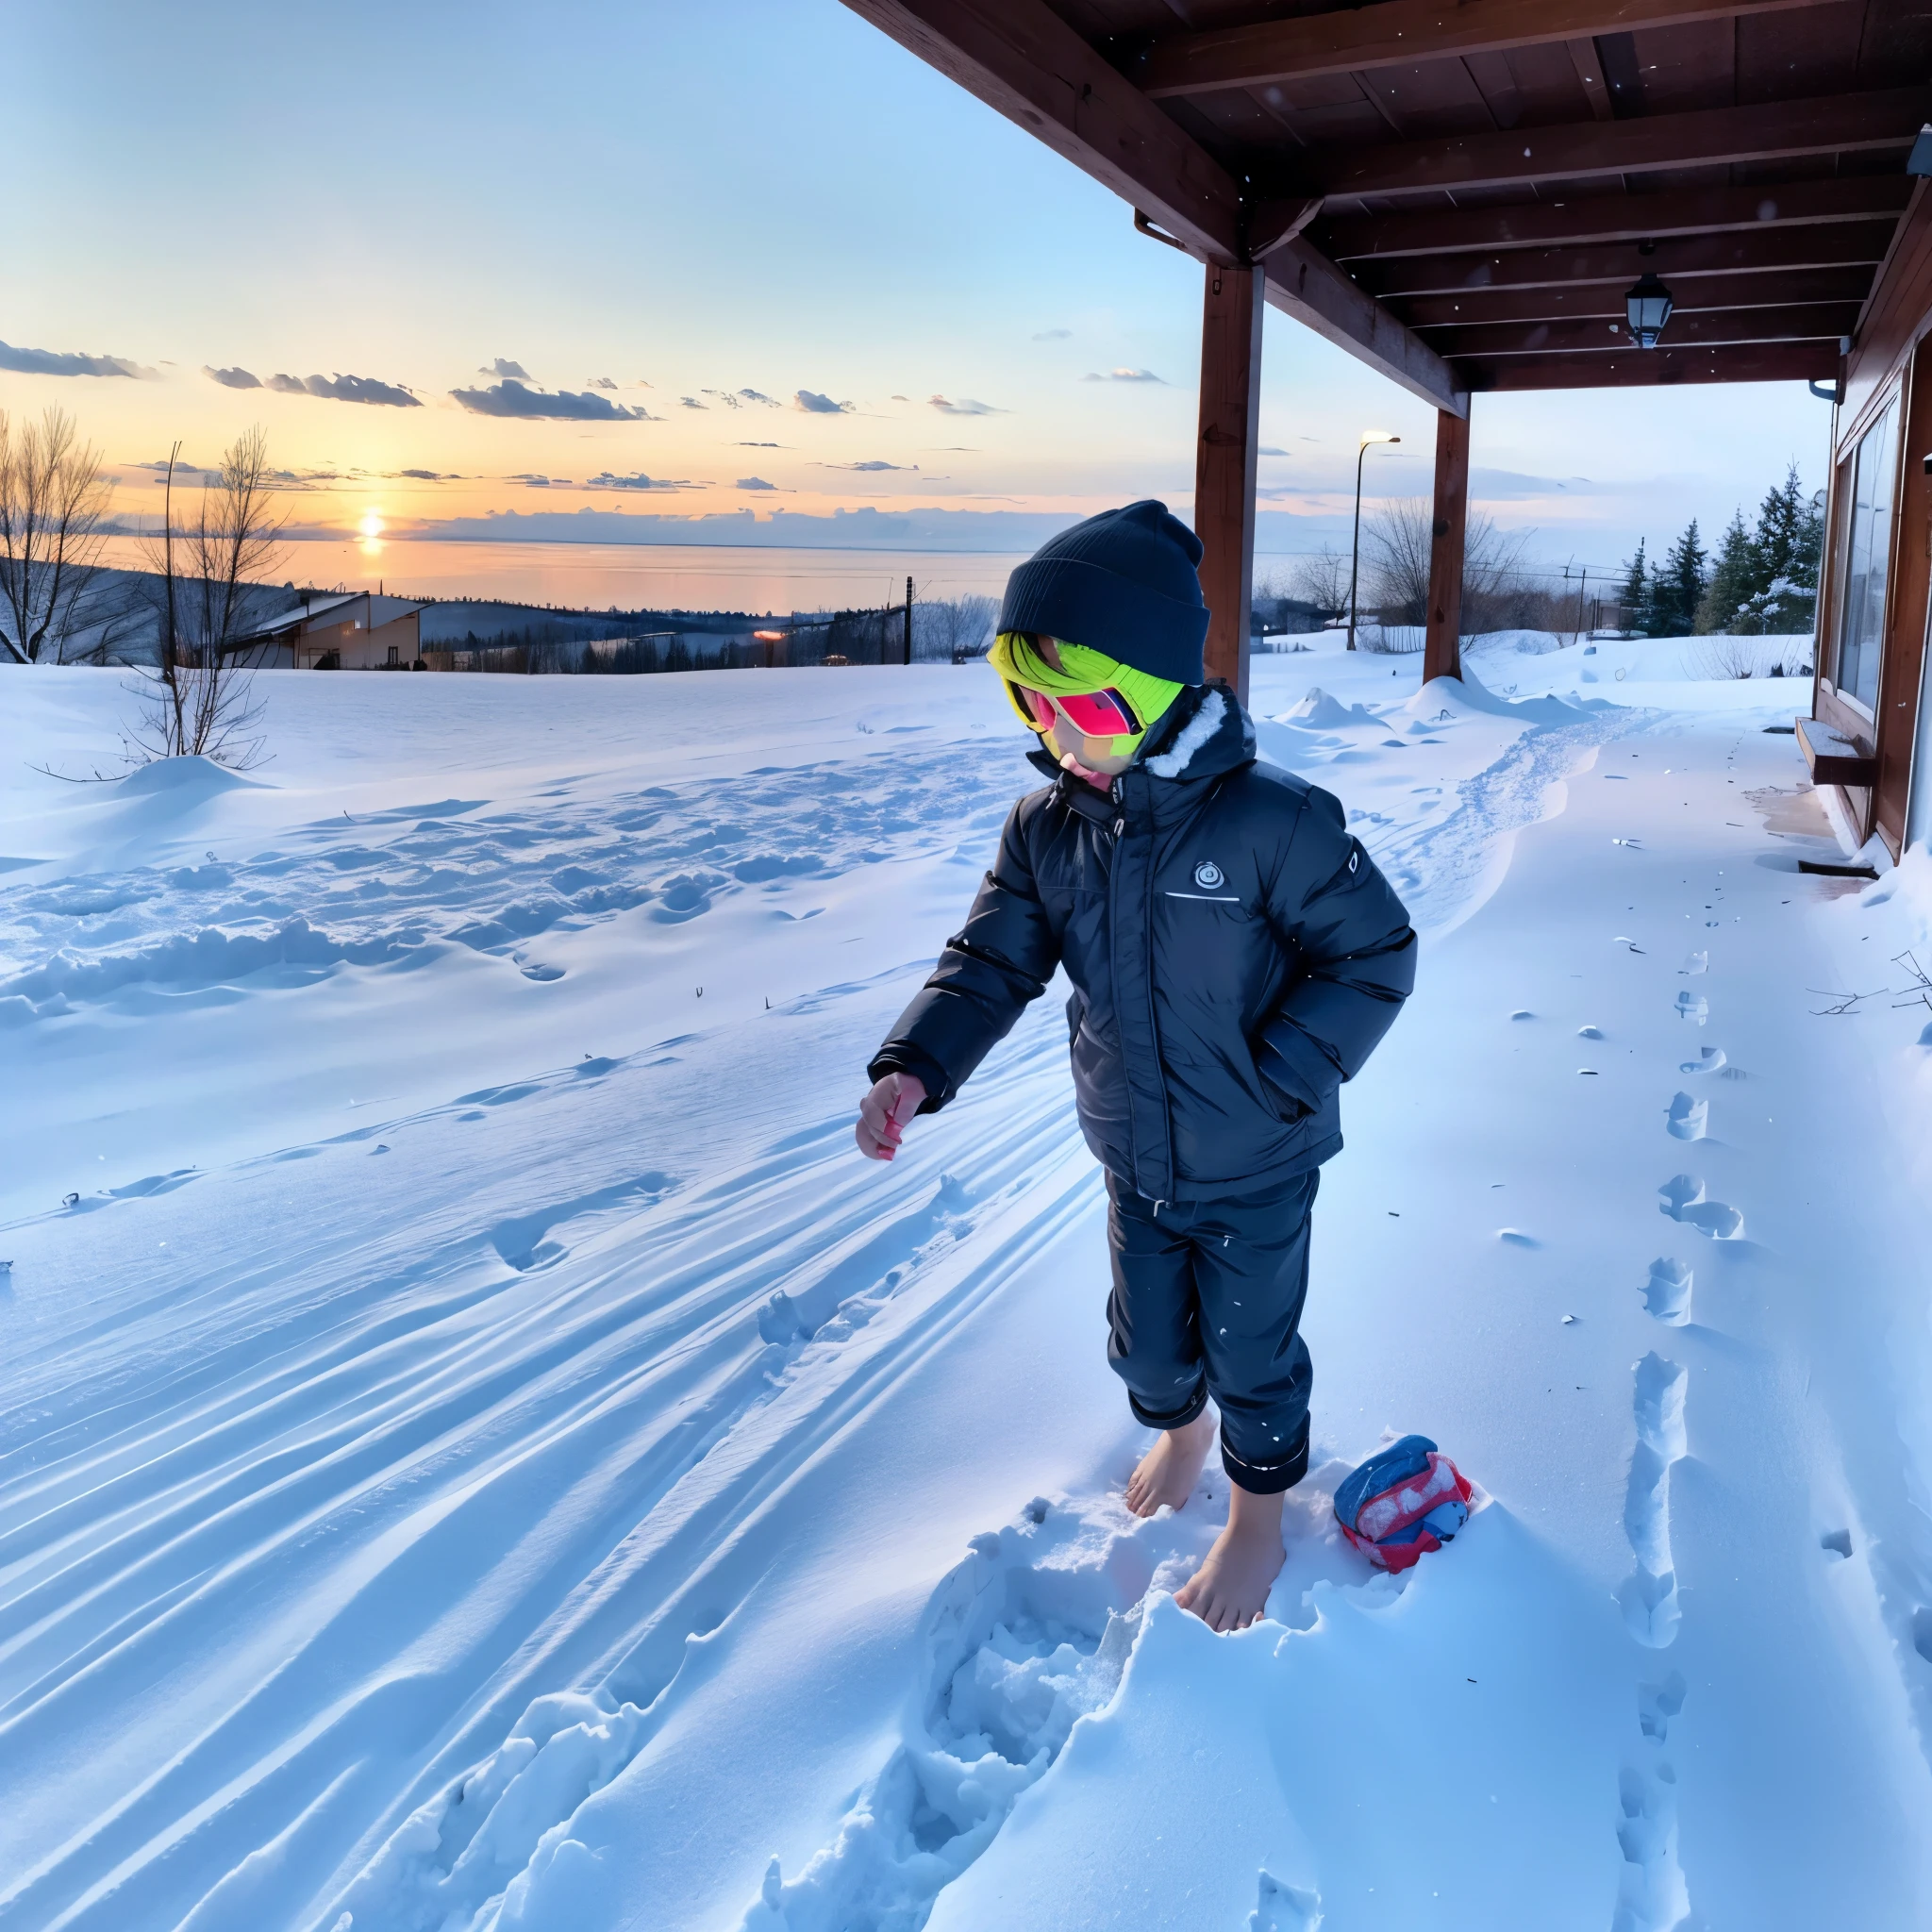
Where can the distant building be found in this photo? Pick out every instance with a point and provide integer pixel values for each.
(338, 630)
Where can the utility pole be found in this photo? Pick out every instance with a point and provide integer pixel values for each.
(909, 620)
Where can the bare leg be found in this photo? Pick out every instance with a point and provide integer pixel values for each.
(1170, 1470)
(1230, 1589)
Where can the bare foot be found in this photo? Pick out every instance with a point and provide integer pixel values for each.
(1230, 1589)
(1170, 1470)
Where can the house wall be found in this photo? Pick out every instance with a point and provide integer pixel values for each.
(366, 650)
(1890, 356)
(358, 649)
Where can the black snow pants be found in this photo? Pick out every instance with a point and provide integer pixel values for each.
(1208, 1301)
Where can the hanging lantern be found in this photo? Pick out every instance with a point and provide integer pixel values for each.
(1648, 306)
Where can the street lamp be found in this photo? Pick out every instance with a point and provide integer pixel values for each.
(1355, 548)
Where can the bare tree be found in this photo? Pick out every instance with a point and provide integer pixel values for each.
(200, 702)
(1499, 589)
(953, 630)
(1396, 539)
(1320, 580)
(53, 511)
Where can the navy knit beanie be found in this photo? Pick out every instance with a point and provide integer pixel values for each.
(1123, 583)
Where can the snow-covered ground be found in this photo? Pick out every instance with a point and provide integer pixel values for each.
(479, 1449)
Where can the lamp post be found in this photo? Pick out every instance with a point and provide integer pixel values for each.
(1355, 548)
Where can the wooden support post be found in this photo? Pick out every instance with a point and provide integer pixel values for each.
(1442, 636)
(1225, 464)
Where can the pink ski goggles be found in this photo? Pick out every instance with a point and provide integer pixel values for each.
(1093, 713)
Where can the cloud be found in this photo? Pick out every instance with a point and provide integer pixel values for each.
(964, 407)
(1054, 335)
(600, 382)
(754, 483)
(1496, 486)
(501, 367)
(693, 403)
(1124, 376)
(901, 399)
(607, 481)
(508, 398)
(736, 399)
(63, 362)
(533, 482)
(1268, 450)
(765, 445)
(345, 388)
(815, 405)
(867, 467)
(231, 378)
(427, 475)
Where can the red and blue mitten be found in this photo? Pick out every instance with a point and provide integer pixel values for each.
(1404, 1501)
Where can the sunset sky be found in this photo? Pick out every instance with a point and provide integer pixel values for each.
(683, 259)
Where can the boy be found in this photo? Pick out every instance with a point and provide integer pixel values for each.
(1235, 957)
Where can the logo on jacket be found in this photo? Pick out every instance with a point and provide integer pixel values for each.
(1209, 876)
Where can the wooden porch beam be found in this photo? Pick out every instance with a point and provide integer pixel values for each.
(1862, 244)
(1304, 283)
(1025, 61)
(1804, 322)
(1474, 307)
(1442, 627)
(1653, 367)
(1225, 457)
(1403, 33)
(1600, 218)
(1712, 136)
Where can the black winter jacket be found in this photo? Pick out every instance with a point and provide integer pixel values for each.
(1235, 957)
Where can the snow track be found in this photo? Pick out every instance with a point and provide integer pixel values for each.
(557, 1494)
(529, 1414)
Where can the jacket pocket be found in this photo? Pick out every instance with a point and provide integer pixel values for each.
(1282, 1105)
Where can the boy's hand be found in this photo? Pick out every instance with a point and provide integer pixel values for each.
(883, 1114)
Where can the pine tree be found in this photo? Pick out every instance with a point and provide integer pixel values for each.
(1635, 593)
(1791, 531)
(1780, 518)
(1680, 587)
(1735, 578)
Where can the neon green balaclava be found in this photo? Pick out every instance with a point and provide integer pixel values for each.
(1016, 660)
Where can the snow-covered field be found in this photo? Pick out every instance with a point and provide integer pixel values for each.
(478, 1449)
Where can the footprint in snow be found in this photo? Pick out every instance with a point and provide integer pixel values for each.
(1031, 1632)
(1658, 1704)
(1651, 1892)
(1667, 1294)
(1697, 962)
(1283, 1908)
(1709, 1058)
(1683, 1200)
(1692, 1006)
(1687, 1118)
(1650, 1595)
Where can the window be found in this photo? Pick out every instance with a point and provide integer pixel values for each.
(1868, 551)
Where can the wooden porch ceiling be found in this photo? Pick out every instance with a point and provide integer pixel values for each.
(1459, 191)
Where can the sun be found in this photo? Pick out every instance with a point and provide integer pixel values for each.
(371, 525)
